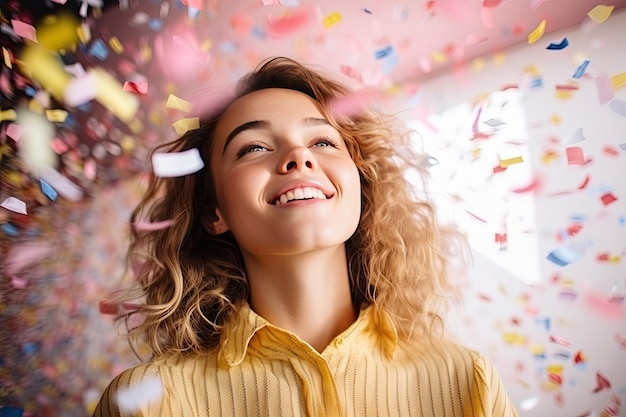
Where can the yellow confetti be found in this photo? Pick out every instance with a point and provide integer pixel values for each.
(555, 119)
(8, 114)
(563, 94)
(499, 58)
(177, 103)
(618, 80)
(128, 144)
(331, 20)
(45, 68)
(35, 106)
(116, 45)
(56, 115)
(600, 13)
(58, 32)
(182, 126)
(513, 338)
(84, 33)
(511, 161)
(206, 45)
(145, 53)
(537, 350)
(136, 126)
(439, 57)
(555, 368)
(478, 64)
(7, 58)
(536, 34)
(112, 96)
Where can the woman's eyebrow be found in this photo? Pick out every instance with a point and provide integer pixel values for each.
(253, 125)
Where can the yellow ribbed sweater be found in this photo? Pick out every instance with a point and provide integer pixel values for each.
(262, 370)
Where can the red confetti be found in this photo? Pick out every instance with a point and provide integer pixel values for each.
(290, 23)
(608, 198)
(610, 151)
(602, 383)
(529, 188)
(585, 183)
(575, 155)
(136, 87)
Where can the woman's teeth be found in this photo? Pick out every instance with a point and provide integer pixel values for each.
(305, 193)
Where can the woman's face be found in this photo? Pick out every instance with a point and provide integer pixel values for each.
(285, 181)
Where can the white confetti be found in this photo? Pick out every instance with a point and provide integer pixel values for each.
(177, 164)
(61, 184)
(529, 403)
(81, 90)
(139, 395)
(576, 136)
(14, 204)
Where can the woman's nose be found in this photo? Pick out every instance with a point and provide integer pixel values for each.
(298, 158)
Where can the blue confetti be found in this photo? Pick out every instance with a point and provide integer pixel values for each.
(390, 63)
(10, 229)
(536, 83)
(557, 46)
(10, 411)
(193, 13)
(155, 24)
(368, 11)
(99, 50)
(48, 190)
(258, 33)
(384, 52)
(30, 91)
(565, 255)
(581, 69)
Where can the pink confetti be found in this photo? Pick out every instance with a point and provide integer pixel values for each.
(286, 25)
(24, 255)
(15, 131)
(621, 340)
(605, 89)
(559, 341)
(149, 227)
(196, 4)
(602, 305)
(24, 30)
(136, 87)
(350, 105)
(18, 283)
(350, 72)
(575, 155)
(528, 188)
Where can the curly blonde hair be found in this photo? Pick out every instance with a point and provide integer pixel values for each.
(191, 281)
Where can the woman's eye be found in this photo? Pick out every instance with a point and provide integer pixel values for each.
(323, 142)
(250, 149)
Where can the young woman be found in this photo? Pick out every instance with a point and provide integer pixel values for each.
(301, 275)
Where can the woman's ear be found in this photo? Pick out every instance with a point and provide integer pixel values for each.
(219, 225)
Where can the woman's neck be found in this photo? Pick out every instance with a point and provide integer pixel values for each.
(307, 294)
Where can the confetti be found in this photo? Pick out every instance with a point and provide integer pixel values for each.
(573, 137)
(23, 256)
(290, 23)
(602, 383)
(558, 46)
(580, 71)
(608, 198)
(24, 30)
(177, 164)
(350, 105)
(331, 20)
(529, 403)
(56, 115)
(566, 255)
(61, 184)
(537, 33)
(133, 398)
(149, 227)
(604, 88)
(182, 126)
(618, 106)
(140, 87)
(600, 13)
(505, 163)
(14, 204)
(176, 103)
(575, 155)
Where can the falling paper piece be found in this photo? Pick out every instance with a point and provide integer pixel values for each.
(15, 131)
(139, 395)
(530, 187)
(81, 90)
(618, 80)
(331, 20)
(600, 13)
(529, 403)
(182, 126)
(618, 106)
(149, 227)
(177, 164)
(14, 204)
(608, 198)
(576, 136)
(48, 190)
(505, 163)
(24, 255)
(56, 115)
(565, 255)
(559, 341)
(604, 88)
(603, 306)
(580, 71)
(558, 46)
(575, 155)
(537, 33)
(140, 87)
(177, 103)
(602, 383)
(350, 105)
(289, 23)
(350, 72)
(61, 184)
(24, 30)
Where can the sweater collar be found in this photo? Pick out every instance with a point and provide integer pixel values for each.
(373, 326)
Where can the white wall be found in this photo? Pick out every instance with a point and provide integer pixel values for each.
(581, 304)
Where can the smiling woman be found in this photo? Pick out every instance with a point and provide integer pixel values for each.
(301, 276)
